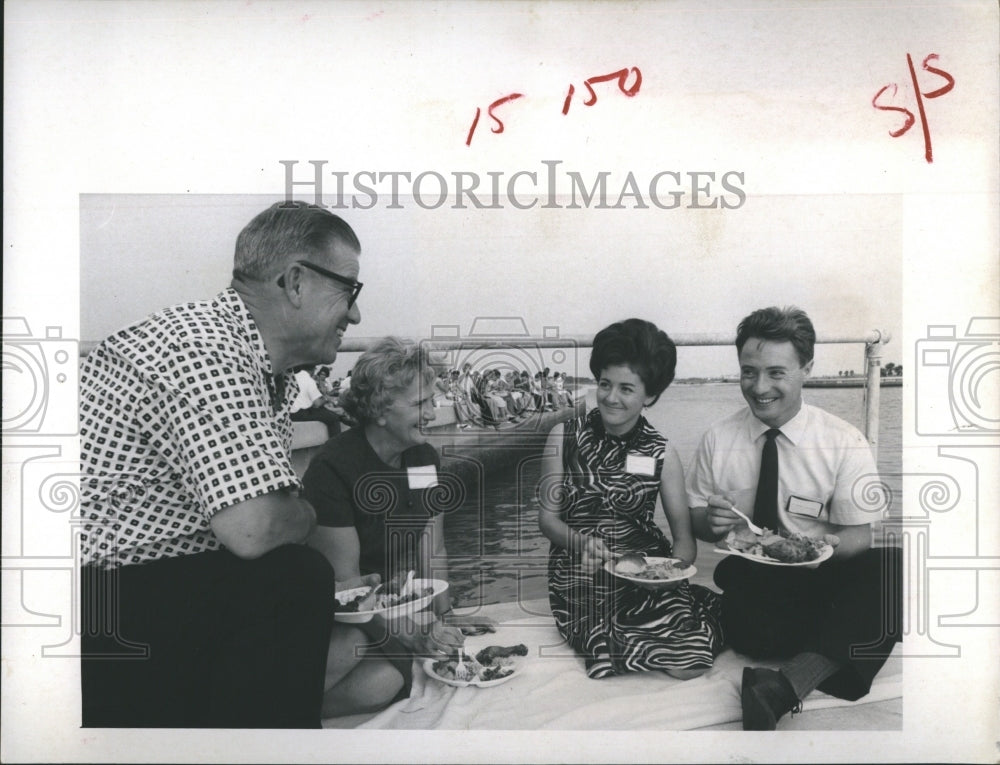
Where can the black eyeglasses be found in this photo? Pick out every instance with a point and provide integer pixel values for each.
(354, 285)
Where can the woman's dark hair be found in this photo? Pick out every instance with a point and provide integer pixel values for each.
(640, 345)
(780, 325)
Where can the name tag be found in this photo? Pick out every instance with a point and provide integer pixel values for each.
(422, 476)
(640, 464)
(810, 508)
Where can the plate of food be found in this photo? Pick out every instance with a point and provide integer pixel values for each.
(782, 548)
(492, 665)
(649, 571)
(403, 594)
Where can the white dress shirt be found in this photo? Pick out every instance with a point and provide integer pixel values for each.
(826, 472)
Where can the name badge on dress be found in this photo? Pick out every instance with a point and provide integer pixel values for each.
(640, 464)
(810, 508)
(422, 476)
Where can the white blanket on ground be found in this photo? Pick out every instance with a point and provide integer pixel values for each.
(551, 691)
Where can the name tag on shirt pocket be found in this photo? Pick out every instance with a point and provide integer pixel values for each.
(422, 476)
(640, 464)
(810, 508)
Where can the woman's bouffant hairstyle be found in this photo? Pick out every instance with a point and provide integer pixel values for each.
(382, 373)
(645, 349)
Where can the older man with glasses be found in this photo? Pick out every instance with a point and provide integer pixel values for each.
(201, 605)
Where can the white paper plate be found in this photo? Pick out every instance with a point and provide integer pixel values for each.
(517, 666)
(824, 555)
(658, 584)
(410, 607)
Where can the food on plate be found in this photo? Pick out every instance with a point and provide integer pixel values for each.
(492, 652)
(401, 583)
(491, 663)
(635, 565)
(789, 550)
(630, 564)
(783, 546)
(398, 590)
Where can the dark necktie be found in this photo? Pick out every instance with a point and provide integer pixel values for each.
(765, 504)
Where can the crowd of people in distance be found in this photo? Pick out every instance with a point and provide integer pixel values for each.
(481, 398)
(490, 397)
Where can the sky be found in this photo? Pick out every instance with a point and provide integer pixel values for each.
(570, 271)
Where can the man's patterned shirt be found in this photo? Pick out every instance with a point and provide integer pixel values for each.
(180, 417)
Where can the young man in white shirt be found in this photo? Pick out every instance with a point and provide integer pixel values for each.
(834, 625)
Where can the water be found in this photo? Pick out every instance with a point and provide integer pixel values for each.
(497, 554)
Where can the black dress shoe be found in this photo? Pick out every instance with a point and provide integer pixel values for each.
(766, 696)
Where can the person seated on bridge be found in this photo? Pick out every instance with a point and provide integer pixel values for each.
(601, 477)
(512, 398)
(538, 392)
(331, 392)
(312, 405)
(561, 396)
(329, 388)
(522, 383)
(442, 390)
(377, 492)
(200, 606)
(473, 379)
(548, 384)
(321, 376)
(493, 405)
(795, 468)
(515, 402)
(501, 393)
(464, 392)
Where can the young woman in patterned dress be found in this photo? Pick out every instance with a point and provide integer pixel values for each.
(597, 496)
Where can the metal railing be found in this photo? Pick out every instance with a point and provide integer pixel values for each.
(874, 341)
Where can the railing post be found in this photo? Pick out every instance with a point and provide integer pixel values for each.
(873, 384)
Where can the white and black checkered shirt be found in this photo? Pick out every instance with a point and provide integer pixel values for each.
(180, 417)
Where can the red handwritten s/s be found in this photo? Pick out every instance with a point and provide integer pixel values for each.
(919, 96)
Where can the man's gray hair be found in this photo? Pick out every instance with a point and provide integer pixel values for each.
(284, 231)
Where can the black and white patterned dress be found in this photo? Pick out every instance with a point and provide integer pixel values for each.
(616, 626)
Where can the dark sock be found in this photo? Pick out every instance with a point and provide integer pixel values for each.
(806, 671)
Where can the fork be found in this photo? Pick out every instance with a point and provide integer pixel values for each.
(462, 671)
(750, 524)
